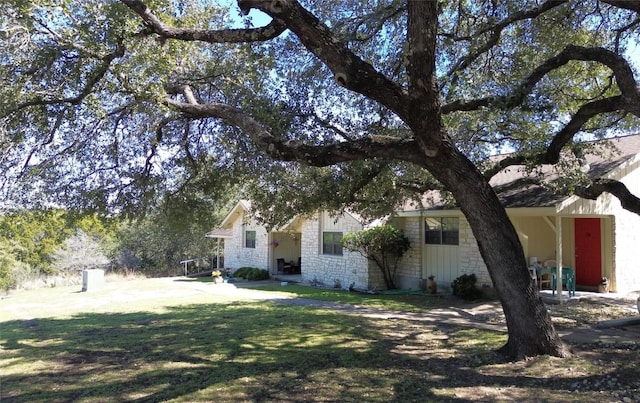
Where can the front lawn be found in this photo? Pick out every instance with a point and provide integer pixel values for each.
(181, 341)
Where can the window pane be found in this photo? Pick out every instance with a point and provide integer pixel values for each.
(449, 224)
(332, 243)
(450, 237)
(450, 231)
(442, 231)
(432, 231)
(433, 224)
(432, 237)
(250, 239)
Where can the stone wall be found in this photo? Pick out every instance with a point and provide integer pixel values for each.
(329, 270)
(471, 261)
(235, 253)
(409, 272)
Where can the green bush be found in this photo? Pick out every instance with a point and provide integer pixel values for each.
(384, 245)
(251, 274)
(465, 287)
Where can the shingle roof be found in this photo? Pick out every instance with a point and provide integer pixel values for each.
(515, 187)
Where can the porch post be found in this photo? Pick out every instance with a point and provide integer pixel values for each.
(559, 256)
(218, 254)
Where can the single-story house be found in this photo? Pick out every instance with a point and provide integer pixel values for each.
(595, 237)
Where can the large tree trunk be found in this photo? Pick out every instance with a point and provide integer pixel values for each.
(531, 331)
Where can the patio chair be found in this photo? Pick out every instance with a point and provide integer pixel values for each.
(280, 264)
(544, 277)
(568, 280)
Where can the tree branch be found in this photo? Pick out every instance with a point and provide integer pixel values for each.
(618, 189)
(272, 30)
(626, 4)
(92, 79)
(349, 70)
(496, 33)
(620, 67)
(316, 155)
(563, 137)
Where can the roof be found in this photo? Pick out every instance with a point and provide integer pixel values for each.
(514, 190)
(240, 208)
(220, 233)
(515, 186)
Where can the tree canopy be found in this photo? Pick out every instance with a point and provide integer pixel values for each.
(329, 104)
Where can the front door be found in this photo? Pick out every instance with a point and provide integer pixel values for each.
(588, 251)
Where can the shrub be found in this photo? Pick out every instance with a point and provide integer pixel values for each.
(384, 245)
(465, 287)
(251, 273)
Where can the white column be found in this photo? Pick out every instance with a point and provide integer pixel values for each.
(559, 256)
(218, 254)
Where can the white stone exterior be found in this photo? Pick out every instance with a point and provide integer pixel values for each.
(418, 264)
(409, 271)
(471, 261)
(236, 255)
(536, 228)
(330, 270)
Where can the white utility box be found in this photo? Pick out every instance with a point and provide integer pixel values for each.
(92, 279)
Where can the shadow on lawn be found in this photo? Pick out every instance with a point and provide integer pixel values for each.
(255, 352)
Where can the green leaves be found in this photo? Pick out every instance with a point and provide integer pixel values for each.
(384, 245)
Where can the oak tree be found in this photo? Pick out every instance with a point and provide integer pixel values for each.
(317, 104)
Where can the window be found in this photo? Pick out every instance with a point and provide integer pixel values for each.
(250, 239)
(442, 231)
(332, 243)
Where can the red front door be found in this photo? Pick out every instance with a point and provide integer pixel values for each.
(588, 251)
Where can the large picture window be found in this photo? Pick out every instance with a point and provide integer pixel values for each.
(442, 231)
(250, 239)
(332, 243)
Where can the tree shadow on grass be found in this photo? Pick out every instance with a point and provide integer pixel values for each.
(243, 352)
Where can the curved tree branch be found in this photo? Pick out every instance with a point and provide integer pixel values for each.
(349, 70)
(315, 155)
(92, 79)
(618, 189)
(496, 32)
(563, 137)
(626, 4)
(272, 30)
(620, 67)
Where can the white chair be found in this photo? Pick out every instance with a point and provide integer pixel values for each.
(545, 278)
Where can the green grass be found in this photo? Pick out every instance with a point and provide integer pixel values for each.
(189, 341)
(222, 352)
(410, 302)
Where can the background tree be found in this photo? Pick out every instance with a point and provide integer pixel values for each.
(12, 270)
(331, 104)
(384, 245)
(79, 252)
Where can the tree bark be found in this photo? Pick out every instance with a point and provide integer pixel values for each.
(530, 329)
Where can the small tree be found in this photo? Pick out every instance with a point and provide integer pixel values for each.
(383, 245)
(79, 252)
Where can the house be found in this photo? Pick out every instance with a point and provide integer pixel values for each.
(313, 243)
(595, 237)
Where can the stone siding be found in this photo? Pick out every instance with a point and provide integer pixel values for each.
(235, 253)
(409, 272)
(471, 261)
(328, 270)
